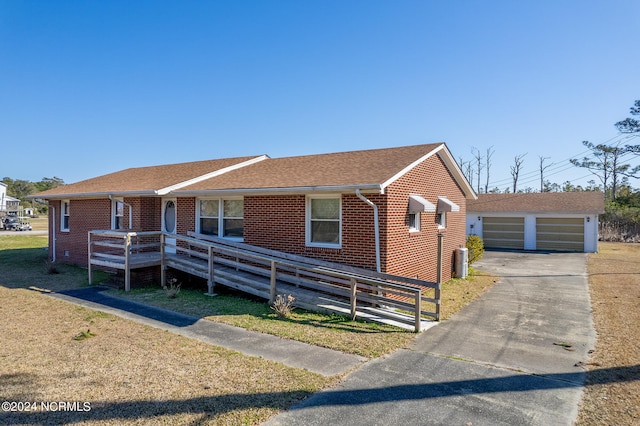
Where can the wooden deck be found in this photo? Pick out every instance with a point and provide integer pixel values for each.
(315, 285)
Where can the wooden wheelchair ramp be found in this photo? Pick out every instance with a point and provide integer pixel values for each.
(316, 285)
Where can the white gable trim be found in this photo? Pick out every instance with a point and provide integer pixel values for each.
(410, 167)
(169, 189)
(448, 160)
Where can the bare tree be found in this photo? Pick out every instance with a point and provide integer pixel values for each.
(542, 169)
(465, 167)
(469, 172)
(515, 170)
(478, 157)
(487, 162)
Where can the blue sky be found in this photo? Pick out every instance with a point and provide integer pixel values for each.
(90, 87)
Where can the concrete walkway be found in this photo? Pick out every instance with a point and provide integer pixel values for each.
(295, 354)
(509, 358)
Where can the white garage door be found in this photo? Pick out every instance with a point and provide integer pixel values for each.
(566, 234)
(503, 232)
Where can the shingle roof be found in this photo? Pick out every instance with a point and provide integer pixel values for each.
(538, 202)
(143, 180)
(366, 169)
(342, 169)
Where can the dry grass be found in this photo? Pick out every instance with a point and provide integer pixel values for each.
(40, 223)
(130, 372)
(612, 394)
(331, 331)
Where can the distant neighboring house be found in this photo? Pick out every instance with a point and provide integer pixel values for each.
(7, 204)
(560, 221)
(379, 209)
(3, 197)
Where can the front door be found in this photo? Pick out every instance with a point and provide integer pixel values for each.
(169, 223)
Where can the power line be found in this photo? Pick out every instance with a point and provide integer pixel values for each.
(561, 166)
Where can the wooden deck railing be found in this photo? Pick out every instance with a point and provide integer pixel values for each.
(123, 251)
(362, 291)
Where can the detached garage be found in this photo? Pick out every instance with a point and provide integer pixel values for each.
(557, 221)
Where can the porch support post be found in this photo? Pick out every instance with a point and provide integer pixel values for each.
(418, 306)
(163, 267)
(439, 276)
(211, 280)
(354, 287)
(272, 283)
(89, 258)
(127, 262)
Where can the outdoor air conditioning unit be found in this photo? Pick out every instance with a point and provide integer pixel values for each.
(462, 262)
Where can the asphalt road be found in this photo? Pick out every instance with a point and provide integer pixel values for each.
(509, 358)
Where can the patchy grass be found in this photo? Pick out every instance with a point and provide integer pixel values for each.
(612, 393)
(23, 262)
(331, 331)
(131, 373)
(135, 374)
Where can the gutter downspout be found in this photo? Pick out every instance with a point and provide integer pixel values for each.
(376, 225)
(53, 234)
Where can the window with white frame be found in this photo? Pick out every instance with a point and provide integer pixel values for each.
(209, 214)
(117, 214)
(64, 215)
(445, 205)
(414, 222)
(324, 216)
(233, 218)
(221, 217)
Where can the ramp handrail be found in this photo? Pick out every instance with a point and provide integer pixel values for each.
(361, 289)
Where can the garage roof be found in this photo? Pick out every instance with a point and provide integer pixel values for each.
(539, 202)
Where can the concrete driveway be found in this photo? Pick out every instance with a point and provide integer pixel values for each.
(509, 358)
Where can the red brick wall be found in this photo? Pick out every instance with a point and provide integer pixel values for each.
(95, 214)
(145, 213)
(278, 223)
(84, 216)
(414, 254)
(186, 215)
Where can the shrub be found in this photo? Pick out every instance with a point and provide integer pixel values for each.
(50, 267)
(172, 289)
(283, 305)
(475, 244)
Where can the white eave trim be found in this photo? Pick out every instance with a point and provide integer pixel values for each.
(418, 204)
(167, 190)
(371, 189)
(446, 205)
(72, 196)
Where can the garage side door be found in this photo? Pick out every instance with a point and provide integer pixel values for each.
(503, 232)
(566, 234)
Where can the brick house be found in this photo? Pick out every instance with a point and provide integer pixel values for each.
(378, 209)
